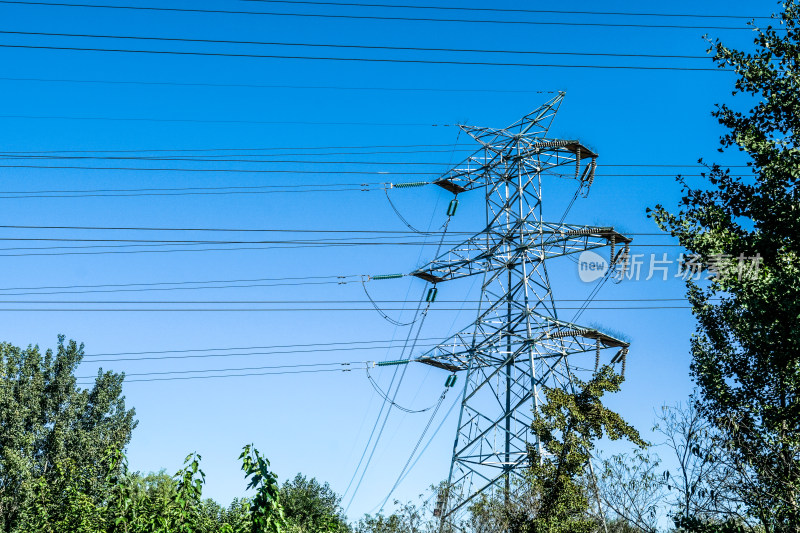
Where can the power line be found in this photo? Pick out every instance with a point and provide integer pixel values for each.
(274, 244)
(349, 241)
(262, 148)
(385, 396)
(183, 288)
(380, 413)
(238, 348)
(249, 374)
(227, 160)
(274, 86)
(230, 190)
(415, 322)
(433, 435)
(297, 151)
(215, 191)
(254, 247)
(351, 46)
(208, 121)
(239, 369)
(305, 161)
(371, 17)
(504, 10)
(53, 154)
(228, 230)
(359, 59)
(348, 348)
(304, 172)
(279, 245)
(303, 301)
(195, 191)
(215, 158)
(233, 170)
(285, 310)
(251, 248)
(282, 244)
(181, 189)
(139, 243)
(205, 286)
(49, 250)
(414, 450)
(181, 285)
(424, 314)
(265, 230)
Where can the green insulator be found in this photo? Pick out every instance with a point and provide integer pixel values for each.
(450, 381)
(387, 276)
(451, 209)
(431, 297)
(391, 363)
(409, 184)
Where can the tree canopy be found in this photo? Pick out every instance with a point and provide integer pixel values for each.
(48, 421)
(568, 425)
(312, 506)
(746, 228)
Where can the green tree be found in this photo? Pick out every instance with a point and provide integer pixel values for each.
(567, 426)
(188, 495)
(632, 490)
(746, 350)
(266, 511)
(411, 517)
(686, 524)
(62, 503)
(407, 518)
(235, 518)
(133, 503)
(312, 506)
(49, 425)
(380, 523)
(160, 503)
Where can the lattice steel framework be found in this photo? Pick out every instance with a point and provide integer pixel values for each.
(517, 343)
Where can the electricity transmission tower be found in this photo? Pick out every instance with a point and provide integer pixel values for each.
(518, 343)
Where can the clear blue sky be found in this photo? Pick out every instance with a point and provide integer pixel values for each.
(318, 423)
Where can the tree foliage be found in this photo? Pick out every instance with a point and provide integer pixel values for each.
(312, 506)
(693, 524)
(50, 427)
(63, 468)
(155, 503)
(632, 489)
(265, 508)
(408, 518)
(746, 350)
(567, 426)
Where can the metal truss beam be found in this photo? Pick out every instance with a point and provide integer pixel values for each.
(517, 344)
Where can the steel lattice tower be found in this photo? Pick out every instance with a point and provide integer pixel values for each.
(518, 343)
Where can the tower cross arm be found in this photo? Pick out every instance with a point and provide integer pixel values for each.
(492, 250)
(513, 153)
(555, 339)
